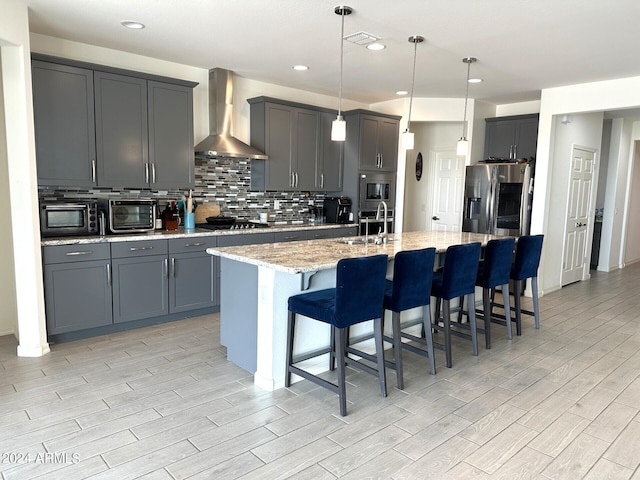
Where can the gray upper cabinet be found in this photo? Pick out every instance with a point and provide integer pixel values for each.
(373, 139)
(297, 139)
(107, 127)
(64, 124)
(122, 139)
(170, 135)
(330, 159)
(511, 137)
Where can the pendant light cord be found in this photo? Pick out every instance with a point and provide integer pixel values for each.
(466, 98)
(342, 13)
(413, 81)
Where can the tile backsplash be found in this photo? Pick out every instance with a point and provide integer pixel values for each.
(225, 181)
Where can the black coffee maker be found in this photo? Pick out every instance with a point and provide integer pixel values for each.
(337, 209)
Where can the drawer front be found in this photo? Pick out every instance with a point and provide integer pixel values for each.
(320, 233)
(244, 239)
(191, 244)
(139, 248)
(292, 236)
(75, 253)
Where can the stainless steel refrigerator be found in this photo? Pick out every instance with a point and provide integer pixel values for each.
(497, 198)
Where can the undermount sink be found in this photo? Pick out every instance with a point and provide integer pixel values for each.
(363, 240)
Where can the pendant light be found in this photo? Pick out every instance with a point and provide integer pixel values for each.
(407, 135)
(339, 126)
(463, 144)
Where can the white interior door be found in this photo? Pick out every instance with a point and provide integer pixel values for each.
(446, 212)
(578, 208)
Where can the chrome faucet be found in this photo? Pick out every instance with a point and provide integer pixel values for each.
(382, 236)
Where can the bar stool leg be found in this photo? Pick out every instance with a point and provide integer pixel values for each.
(487, 306)
(534, 291)
(426, 322)
(332, 349)
(291, 322)
(377, 332)
(471, 301)
(397, 348)
(340, 347)
(507, 309)
(446, 320)
(517, 285)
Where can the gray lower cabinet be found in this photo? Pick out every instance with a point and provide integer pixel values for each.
(140, 280)
(192, 274)
(77, 287)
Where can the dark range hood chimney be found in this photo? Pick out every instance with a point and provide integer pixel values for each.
(221, 143)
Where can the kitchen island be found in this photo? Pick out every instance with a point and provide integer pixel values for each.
(257, 280)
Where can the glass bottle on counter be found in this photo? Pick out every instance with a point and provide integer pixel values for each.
(167, 214)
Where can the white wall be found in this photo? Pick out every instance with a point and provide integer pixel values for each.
(21, 236)
(429, 137)
(521, 108)
(582, 98)
(632, 245)
(8, 310)
(584, 130)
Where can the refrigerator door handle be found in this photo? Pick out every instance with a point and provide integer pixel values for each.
(491, 206)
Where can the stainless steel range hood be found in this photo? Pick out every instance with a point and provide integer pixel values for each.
(221, 143)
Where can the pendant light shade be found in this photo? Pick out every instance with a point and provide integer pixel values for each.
(339, 126)
(463, 144)
(407, 135)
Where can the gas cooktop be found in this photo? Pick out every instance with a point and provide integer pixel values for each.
(237, 225)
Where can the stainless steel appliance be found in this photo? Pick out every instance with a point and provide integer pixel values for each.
(235, 225)
(376, 187)
(337, 209)
(131, 216)
(69, 218)
(497, 198)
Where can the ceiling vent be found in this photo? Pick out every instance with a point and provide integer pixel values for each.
(361, 38)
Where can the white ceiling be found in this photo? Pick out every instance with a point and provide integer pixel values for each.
(522, 46)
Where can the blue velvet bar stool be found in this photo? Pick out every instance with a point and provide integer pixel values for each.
(457, 278)
(525, 266)
(493, 271)
(411, 288)
(357, 297)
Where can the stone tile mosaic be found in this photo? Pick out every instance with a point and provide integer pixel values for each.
(225, 181)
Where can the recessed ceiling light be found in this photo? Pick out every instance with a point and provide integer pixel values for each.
(402, 92)
(300, 68)
(376, 46)
(475, 80)
(132, 25)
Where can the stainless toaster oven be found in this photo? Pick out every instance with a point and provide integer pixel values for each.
(69, 218)
(131, 216)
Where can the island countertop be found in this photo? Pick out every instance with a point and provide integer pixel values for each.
(315, 255)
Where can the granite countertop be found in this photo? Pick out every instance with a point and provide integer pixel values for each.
(313, 255)
(182, 233)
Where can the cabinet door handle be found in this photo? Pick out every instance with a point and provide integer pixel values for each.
(93, 171)
(146, 173)
(135, 249)
(165, 263)
(173, 266)
(291, 182)
(381, 161)
(296, 179)
(197, 244)
(109, 274)
(322, 180)
(73, 254)
(153, 173)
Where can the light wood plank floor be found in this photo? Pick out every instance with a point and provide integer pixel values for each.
(163, 403)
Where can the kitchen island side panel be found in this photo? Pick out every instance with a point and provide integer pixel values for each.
(239, 312)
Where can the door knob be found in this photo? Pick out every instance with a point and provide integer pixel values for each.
(435, 218)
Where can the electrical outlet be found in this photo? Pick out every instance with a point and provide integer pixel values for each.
(276, 204)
